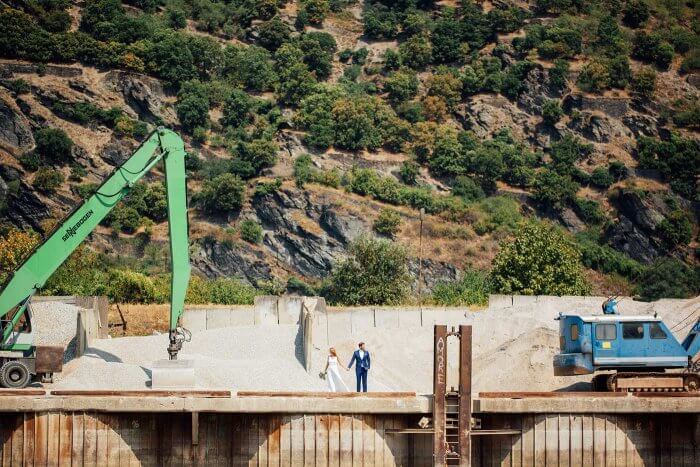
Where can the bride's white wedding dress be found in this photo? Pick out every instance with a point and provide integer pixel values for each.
(335, 382)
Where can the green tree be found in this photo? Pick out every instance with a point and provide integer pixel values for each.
(272, 34)
(47, 180)
(551, 111)
(193, 106)
(416, 52)
(388, 222)
(669, 278)
(53, 145)
(644, 82)
(225, 192)
(237, 109)
(676, 230)
(471, 289)
(635, 13)
(445, 39)
(315, 10)
(374, 274)
(554, 190)
(594, 77)
(251, 231)
(541, 260)
(401, 85)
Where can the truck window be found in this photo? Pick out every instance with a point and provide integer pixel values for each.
(632, 330)
(605, 332)
(574, 332)
(656, 332)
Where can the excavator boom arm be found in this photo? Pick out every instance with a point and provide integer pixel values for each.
(69, 234)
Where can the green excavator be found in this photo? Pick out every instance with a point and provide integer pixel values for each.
(20, 358)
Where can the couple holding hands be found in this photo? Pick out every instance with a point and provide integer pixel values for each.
(362, 362)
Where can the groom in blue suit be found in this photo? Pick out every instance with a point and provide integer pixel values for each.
(361, 356)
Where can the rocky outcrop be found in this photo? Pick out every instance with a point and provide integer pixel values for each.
(600, 129)
(143, 94)
(343, 229)
(15, 132)
(626, 237)
(215, 259)
(431, 273)
(293, 235)
(117, 152)
(610, 106)
(535, 91)
(9, 69)
(24, 208)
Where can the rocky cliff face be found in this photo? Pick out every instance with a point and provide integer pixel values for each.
(307, 230)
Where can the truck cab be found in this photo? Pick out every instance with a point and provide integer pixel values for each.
(615, 342)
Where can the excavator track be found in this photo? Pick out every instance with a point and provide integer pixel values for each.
(653, 382)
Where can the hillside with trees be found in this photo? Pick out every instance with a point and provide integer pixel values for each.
(368, 151)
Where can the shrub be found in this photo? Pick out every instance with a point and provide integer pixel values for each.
(594, 77)
(379, 21)
(589, 211)
(601, 178)
(14, 246)
(251, 231)
(416, 52)
(401, 85)
(388, 222)
(445, 39)
(193, 107)
(409, 172)
(551, 111)
(225, 192)
(237, 109)
(53, 145)
(541, 260)
(130, 287)
(675, 230)
(554, 190)
(315, 10)
(644, 82)
(467, 189)
(471, 289)
(124, 218)
(374, 274)
(30, 161)
(669, 278)
(676, 159)
(635, 13)
(19, 86)
(272, 34)
(47, 180)
(605, 259)
(559, 74)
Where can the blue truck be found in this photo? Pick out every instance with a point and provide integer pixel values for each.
(628, 353)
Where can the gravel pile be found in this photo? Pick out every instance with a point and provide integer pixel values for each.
(55, 323)
(241, 358)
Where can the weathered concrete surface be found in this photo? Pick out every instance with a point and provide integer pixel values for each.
(419, 404)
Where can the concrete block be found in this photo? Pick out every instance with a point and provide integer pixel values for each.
(266, 310)
(218, 318)
(362, 320)
(524, 300)
(500, 301)
(172, 374)
(289, 309)
(387, 317)
(410, 317)
(320, 330)
(431, 315)
(452, 316)
(195, 320)
(242, 315)
(339, 324)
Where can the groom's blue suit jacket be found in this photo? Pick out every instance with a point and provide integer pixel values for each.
(362, 363)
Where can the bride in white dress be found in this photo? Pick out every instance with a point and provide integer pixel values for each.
(335, 382)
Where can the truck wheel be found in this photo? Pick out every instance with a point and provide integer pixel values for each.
(14, 375)
(692, 383)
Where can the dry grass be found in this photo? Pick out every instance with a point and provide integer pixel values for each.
(141, 320)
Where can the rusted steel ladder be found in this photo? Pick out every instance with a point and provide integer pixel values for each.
(452, 411)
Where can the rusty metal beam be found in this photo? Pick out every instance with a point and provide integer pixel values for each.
(22, 392)
(465, 395)
(439, 389)
(328, 395)
(157, 393)
(542, 394)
